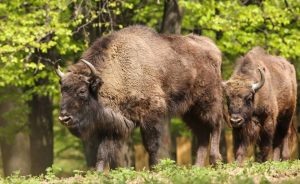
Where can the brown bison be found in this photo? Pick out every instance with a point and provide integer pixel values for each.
(137, 77)
(261, 101)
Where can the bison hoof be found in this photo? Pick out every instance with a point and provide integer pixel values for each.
(214, 159)
(100, 166)
(240, 161)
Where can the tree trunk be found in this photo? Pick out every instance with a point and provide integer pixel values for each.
(15, 152)
(16, 155)
(172, 17)
(41, 134)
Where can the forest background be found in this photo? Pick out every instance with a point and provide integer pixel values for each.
(36, 33)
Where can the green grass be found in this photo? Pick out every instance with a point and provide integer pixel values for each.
(168, 172)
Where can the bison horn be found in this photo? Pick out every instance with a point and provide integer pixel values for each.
(224, 84)
(259, 84)
(58, 72)
(92, 68)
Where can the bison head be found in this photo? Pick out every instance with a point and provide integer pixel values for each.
(79, 101)
(240, 95)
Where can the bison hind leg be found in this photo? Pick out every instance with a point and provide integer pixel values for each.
(281, 137)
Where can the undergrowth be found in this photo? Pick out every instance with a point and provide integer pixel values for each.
(168, 172)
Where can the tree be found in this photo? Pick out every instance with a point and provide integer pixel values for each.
(32, 30)
(14, 137)
(41, 134)
(172, 17)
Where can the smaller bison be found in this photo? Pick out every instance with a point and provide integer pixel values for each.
(261, 101)
(136, 78)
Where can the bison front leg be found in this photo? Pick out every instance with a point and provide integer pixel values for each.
(102, 155)
(215, 144)
(151, 139)
(240, 152)
(113, 152)
(265, 144)
(239, 146)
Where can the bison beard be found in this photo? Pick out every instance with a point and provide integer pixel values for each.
(108, 122)
(137, 77)
(261, 99)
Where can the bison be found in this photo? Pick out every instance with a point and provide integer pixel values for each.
(261, 101)
(136, 77)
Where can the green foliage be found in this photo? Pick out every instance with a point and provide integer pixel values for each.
(168, 172)
(236, 27)
(36, 32)
(150, 13)
(28, 28)
(179, 128)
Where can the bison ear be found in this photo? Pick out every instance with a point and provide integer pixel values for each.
(95, 84)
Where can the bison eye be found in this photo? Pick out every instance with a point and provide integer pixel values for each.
(82, 92)
(249, 98)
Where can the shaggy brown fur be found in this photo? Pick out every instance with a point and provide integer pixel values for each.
(142, 77)
(264, 116)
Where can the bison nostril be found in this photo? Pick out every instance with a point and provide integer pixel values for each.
(63, 113)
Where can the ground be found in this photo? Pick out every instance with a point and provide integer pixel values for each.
(168, 172)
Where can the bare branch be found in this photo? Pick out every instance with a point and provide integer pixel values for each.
(84, 25)
(111, 20)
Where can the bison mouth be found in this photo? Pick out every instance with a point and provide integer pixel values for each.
(236, 121)
(236, 125)
(67, 121)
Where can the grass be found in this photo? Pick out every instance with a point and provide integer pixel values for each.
(168, 172)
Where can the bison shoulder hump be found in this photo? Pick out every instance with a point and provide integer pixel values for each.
(206, 44)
